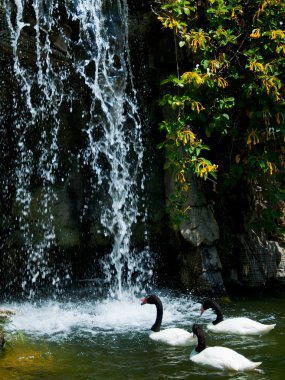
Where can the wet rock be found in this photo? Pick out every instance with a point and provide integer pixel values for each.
(200, 266)
(259, 260)
(5, 315)
(200, 270)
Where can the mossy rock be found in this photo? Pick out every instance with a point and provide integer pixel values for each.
(5, 315)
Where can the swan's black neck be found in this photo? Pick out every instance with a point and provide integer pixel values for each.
(159, 314)
(209, 304)
(218, 312)
(198, 331)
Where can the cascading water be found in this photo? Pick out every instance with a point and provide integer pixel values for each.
(116, 152)
(80, 60)
(41, 92)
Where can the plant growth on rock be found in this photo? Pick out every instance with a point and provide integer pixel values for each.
(228, 99)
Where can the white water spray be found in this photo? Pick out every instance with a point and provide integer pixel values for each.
(56, 320)
(42, 98)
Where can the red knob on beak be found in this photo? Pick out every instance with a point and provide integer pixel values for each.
(143, 301)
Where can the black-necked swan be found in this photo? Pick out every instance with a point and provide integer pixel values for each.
(217, 357)
(172, 336)
(238, 325)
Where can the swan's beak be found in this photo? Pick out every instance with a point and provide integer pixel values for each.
(202, 310)
(143, 301)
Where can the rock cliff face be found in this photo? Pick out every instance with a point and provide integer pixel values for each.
(200, 266)
(208, 264)
(251, 258)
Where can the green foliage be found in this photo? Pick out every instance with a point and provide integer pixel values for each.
(232, 91)
(184, 151)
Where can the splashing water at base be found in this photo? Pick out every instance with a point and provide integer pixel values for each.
(58, 320)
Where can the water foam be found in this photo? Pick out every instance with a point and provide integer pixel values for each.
(59, 320)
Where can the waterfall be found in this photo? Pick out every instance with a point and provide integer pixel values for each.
(80, 65)
(41, 93)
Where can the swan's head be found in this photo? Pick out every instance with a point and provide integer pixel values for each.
(151, 299)
(207, 304)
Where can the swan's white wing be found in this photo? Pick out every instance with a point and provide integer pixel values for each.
(240, 325)
(223, 358)
(174, 337)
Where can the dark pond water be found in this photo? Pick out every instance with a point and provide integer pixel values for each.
(108, 339)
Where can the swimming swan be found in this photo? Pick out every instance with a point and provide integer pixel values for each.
(172, 336)
(221, 358)
(239, 325)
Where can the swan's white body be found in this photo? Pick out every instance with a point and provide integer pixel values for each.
(174, 337)
(238, 325)
(241, 326)
(223, 358)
